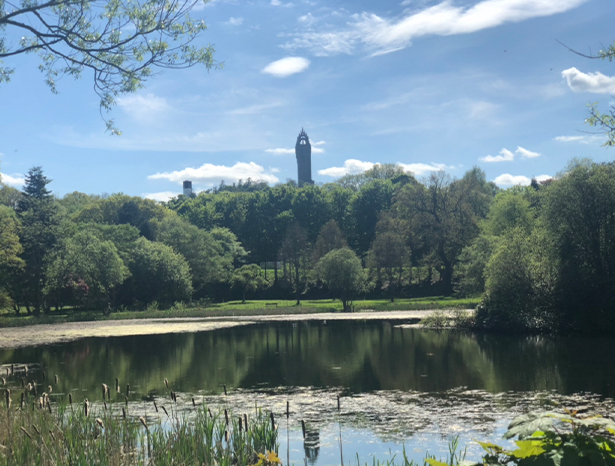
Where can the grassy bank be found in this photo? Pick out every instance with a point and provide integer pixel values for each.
(236, 308)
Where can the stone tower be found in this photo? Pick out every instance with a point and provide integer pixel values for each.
(303, 151)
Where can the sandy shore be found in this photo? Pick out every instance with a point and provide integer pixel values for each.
(35, 335)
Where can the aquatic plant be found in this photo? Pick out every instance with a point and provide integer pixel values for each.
(99, 434)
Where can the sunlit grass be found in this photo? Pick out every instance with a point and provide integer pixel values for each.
(237, 308)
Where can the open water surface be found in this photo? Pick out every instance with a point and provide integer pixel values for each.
(399, 387)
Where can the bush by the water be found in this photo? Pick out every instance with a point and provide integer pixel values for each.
(556, 271)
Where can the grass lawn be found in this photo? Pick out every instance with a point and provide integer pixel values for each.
(235, 308)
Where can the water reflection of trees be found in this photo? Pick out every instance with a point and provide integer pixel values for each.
(359, 357)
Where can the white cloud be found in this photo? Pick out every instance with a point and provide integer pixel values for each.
(420, 169)
(382, 35)
(279, 3)
(213, 174)
(595, 138)
(287, 66)
(319, 143)
(512, 180)
(596, 83)
(570, 138)
(528, 154)
(307, 20)
(143, 107)
(351, 167)
(318, 150)
(16, 180)
(280, 151)
(505, 156)
(235, 21)
(160, 197)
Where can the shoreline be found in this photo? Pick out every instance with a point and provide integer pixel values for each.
(47, 334)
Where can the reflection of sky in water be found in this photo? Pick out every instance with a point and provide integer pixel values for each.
(397, 386)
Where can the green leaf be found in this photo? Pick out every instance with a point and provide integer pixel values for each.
(434, 462)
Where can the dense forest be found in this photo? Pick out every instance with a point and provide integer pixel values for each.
(542, 255)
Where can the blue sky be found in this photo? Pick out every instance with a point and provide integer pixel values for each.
(428, 84)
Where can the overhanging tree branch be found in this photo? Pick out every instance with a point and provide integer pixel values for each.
(73, 35)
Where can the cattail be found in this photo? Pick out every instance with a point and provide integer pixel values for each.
(34, 388)
(105, 389)
(193, 402)
(303, 428)
(210, 414)
(49, 405)
(7, 371)
(245, 421)
(86, 407)
(105, 405)
(172, 395)
(23, 382)
(226, 436)
(12, 369)
(70, 399)
(49, 389)
(36, 429)
(166, 382)
(165, 410)
(25, 368)
(123, 412)
(287, 409)
(226, 417)
(41, 403)
(155, 406)
(240, 423)
(3, 381)
(22, 403)
(56, 379)
(142, 419)
(225, 394)
(272, 421)
(100, 423)
(127, 389)
(29, 387)
(52, 436)
(26, 432)
(117, 385)
(126, 398)
(7, 394)
(338, 404)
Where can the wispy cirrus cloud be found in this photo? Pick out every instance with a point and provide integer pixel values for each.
(287, 67)
(596, 83)
(589, 139)
(379, 35)
(210, 174)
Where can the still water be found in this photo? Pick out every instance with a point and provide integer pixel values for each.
(400, 388)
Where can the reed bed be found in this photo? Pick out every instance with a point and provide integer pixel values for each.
(43, 433)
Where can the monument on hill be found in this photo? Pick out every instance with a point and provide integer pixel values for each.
(303, 151)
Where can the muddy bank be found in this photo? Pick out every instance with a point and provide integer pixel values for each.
(58, 333)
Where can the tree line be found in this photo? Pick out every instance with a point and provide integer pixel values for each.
(542, 255)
